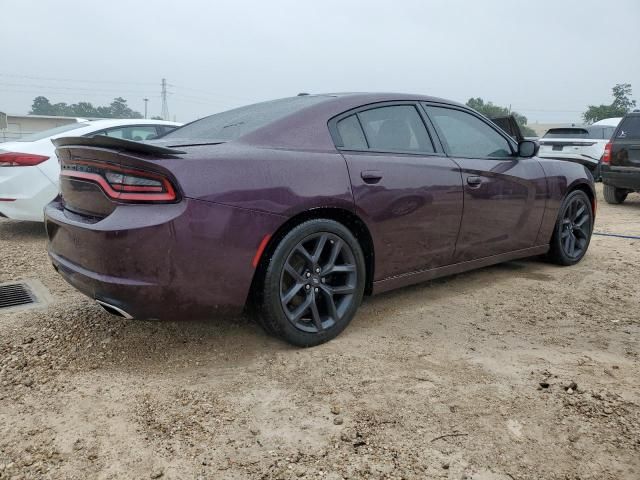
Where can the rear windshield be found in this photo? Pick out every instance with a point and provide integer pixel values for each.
(235, 123)
(594, 132)
(49, 133)
(629, 128)
(566, 133)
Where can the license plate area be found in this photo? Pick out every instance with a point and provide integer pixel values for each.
(557, 148)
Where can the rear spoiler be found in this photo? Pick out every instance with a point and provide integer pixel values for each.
(102, 141)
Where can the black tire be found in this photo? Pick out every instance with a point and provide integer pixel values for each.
(572, 233)
(323, 302)
(614, 195)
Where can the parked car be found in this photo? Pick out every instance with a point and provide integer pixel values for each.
(583, 145)
(29, 168)
(621, 160)
(509, 124)
(301, 206)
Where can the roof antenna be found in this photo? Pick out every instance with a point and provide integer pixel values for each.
(302, 94)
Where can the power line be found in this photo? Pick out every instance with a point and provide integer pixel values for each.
(74, 89)
(75, 80)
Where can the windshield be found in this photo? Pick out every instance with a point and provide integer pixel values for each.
(52, 131)
(235, 123)
(594, 132)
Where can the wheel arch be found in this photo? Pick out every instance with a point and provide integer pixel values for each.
(588, 189)
(345, 217)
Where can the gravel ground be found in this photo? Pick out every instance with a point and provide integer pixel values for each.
(519, 371)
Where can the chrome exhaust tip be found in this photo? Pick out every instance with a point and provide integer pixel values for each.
(113, 310)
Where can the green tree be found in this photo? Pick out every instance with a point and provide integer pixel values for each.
(622, 103)
(117, 109)
(489, 109)
(41, 106)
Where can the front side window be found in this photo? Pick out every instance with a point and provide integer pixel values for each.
(466, 135)
(396, 128)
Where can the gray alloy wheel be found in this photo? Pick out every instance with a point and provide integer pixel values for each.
(573, 230)
(314, 283)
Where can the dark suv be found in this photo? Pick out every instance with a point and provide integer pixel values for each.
(620, 166)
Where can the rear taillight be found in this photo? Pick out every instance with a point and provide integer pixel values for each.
(15, 159)
(123, 184)
(606, 156)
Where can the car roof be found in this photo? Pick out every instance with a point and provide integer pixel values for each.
(115, 122)
(374, 97)
(608, 122)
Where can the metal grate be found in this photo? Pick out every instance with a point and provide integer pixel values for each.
(15, 294)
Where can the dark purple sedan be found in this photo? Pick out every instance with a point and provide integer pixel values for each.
(301, 206)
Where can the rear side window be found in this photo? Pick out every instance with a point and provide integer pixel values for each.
(597, 132)
(351, 134)
(136, 133)
(629, 128)
(396, 128)
(466, 135)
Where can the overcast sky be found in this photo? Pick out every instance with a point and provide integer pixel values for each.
(548, 59)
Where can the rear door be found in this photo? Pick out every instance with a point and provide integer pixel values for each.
(625, 146)
(407, 191)
(504, 195)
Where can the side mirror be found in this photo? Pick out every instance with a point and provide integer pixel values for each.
(527, 148)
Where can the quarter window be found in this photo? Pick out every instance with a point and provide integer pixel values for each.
(351, 134)
(466, 135)
(396, 128)
(630, 128)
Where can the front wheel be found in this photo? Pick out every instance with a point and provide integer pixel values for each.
(572, 233)
(314, 283)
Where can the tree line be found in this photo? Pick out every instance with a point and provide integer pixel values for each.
(117, 109)
(622, 103)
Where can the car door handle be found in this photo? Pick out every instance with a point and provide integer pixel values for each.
(371, 176)
(474, 182)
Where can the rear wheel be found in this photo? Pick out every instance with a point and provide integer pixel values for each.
(314, 283)
(572, 233)
(614, 195)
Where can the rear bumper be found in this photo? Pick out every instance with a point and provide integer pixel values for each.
(626, 179)
(188, 259)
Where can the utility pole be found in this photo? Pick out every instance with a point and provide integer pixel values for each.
(146, 101)
(165, 107)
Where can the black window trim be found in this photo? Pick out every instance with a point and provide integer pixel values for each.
(337, 139)
(510, 141)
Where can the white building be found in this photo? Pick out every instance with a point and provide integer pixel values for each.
(16, 126)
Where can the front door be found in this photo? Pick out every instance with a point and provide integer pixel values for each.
(408, 192)
(504, 195)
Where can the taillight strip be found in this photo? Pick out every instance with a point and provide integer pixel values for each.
(169, 195)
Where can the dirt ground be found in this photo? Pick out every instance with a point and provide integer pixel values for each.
(461, 378)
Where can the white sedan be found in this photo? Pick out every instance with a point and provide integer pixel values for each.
(29, 167)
